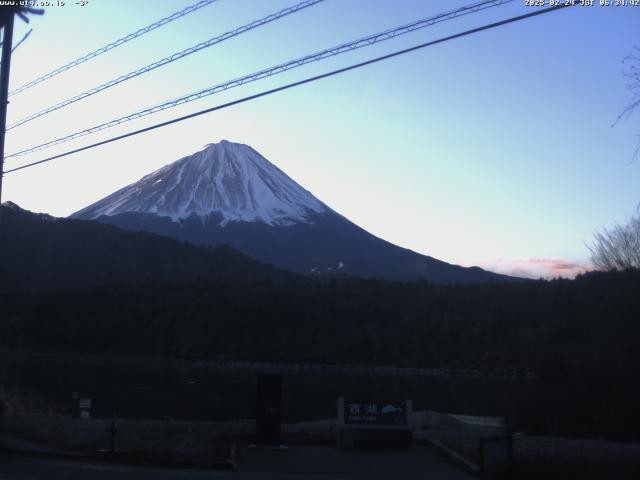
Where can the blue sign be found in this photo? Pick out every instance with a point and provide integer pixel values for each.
(375, 413)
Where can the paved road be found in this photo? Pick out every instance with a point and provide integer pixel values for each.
(312, 463)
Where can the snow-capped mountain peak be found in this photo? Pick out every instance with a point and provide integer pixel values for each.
(223, 180)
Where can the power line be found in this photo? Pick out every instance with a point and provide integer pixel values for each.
(296, 84)
(346, 47)
(171, 58)
(24, 37)
(114, 44)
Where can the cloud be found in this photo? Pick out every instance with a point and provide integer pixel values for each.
(539, 267)
(557, 264)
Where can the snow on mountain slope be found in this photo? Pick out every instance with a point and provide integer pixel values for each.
(230, 180)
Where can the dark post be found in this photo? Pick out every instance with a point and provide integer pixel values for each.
(496, 457)
(268, 410)
(7, 45)
(114, 429)
(1, 424)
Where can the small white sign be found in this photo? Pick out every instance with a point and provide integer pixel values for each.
(85, 414)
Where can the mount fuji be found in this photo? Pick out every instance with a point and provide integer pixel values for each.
(227, 193)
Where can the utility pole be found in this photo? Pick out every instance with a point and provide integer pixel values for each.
(7, 45)
(7, 16)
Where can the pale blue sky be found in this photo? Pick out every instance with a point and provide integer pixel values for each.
(494, 150)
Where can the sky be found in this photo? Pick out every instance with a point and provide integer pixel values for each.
(497, 149)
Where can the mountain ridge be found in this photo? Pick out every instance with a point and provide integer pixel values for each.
(227, 193)
(43, 252)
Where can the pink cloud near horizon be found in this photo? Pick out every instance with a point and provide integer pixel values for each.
(539, 267)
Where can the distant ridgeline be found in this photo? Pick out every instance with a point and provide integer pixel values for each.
(64, 284)
(40, 252)
(72, 285)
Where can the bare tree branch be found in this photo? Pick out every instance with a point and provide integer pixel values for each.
(617, 248)
(632, 73)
